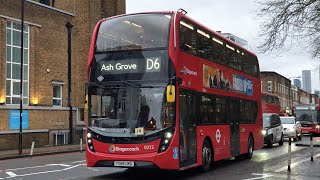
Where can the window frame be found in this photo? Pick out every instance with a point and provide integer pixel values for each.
(13, 27)
(57, 98)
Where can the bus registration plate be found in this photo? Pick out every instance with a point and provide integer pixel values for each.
(124, 163)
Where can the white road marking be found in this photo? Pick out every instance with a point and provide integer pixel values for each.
(45, 172)
(11, 174)
(296, 163)
(262, 176)
(65, 165)
(77, 162)
(32, 167)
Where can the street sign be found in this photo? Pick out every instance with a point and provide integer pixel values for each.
(15, 119)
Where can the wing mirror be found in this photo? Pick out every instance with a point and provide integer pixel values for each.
(171, 91)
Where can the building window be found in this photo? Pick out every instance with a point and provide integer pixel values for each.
(60, 138)
(80, 114)
(57, 95)
(13, 63)
(275, 87)
(270, 86)
(47, 2)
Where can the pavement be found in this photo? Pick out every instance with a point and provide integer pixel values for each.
(12, 154)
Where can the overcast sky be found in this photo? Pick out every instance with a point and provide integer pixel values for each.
(239, 18)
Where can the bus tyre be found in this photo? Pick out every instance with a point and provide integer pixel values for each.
(270, 141)
(249, 154)
(207, 156)
(281, 141)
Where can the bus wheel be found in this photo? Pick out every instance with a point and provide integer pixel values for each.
(207, 156)
(250, 148)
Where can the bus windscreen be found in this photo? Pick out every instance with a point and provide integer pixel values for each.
(133, 32)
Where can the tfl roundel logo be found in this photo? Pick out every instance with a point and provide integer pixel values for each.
(112, 148)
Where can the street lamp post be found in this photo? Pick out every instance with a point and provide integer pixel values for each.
(69, 26)
(21, 77)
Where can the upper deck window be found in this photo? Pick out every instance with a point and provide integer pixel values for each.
(140, 31)
(200, 42)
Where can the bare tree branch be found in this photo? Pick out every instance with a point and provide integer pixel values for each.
(290, 22)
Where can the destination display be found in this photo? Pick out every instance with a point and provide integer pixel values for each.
(305, 107)
(152, 64)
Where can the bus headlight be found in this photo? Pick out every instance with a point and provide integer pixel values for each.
(264, 132)
(168, 135)
(89, 135)
(317, 126)
(165, 141)
(89, 141)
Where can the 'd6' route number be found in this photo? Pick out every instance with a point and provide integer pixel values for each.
(153, 65)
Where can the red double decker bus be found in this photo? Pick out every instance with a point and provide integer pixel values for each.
(270, 103)
(165, 91)
(309, 117)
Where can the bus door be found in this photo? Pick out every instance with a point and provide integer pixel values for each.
(234, 120)
(187, 121)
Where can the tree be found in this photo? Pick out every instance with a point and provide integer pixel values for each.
(290, 22)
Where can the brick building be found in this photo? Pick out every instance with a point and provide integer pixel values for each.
(45, 65)
(274, 83)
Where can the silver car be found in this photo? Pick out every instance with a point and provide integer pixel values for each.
(291, 127)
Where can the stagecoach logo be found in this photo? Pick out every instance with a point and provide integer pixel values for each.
(114, 148)
(218, 136)
(186, 71)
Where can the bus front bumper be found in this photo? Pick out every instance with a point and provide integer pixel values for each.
(96, 159)
(150, 160)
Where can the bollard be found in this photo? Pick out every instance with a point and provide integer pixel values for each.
(311, 146)
(81, 145)
(32, 147)
(289, 155)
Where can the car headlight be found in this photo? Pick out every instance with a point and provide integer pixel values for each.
(264, 132)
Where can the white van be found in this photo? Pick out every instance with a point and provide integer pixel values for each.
(272, 129)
